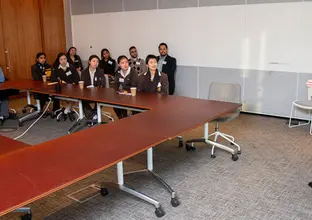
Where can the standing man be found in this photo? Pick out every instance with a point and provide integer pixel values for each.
(168, 65)
(135, 62)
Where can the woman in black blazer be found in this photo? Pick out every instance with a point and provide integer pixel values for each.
(125, 78)
(93, 76)
(67, 74)
(153, 81)
(37, 71)
(107, 63)
(74, 59)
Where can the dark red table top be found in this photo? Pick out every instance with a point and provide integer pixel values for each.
(53, 165)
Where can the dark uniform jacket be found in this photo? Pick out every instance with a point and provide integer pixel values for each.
(98, 80)
(108, 66)
(158, 85)
(69, 75)
(130, 80)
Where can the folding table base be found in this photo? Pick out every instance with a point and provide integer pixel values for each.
(121, 186)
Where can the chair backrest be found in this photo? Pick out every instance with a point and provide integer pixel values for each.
(227, 92)
(106, 81)
(2, 77)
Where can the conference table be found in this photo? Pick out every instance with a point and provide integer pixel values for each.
(50, 166)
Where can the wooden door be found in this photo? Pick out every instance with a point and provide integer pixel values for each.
(2, 48)
(53, 28)
(21, 36)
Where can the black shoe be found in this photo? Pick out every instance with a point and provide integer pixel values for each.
(64, 117)
(71, 116)
(1, 121)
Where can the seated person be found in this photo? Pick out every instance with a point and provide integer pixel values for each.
(65, 73)
(153, 81)
(93, 76)
(125, 78)
(4, 106)
(74, 59)
(107, 63)
(37, 71)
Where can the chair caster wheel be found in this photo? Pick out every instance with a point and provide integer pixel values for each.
(310, 184)
(58, 120)
(104, 191)
(234, 157)
(232, 143)
(175, 202)
(53, 115)
(213, 156)
(160, 212)
(24, 111)
(180, 143)
(21, 124)
(239, 152)
(189, 147)
(26, 216)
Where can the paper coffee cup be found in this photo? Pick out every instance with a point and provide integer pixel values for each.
(133, 91)
(44, 78)
(81, 84)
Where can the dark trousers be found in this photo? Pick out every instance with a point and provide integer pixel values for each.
(88, 110)
(43, 99)
(171, 81)
(122, 113)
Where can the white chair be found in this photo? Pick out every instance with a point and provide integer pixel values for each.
(226, 92)
(305, 105)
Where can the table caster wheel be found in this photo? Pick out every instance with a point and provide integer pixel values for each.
(26, 216)
(104, 191)
(234, 157)
(189, 147)
(175, 202)
(24, 111)
(239, 152)
(180, 143)
(160, 212)
(213, 156)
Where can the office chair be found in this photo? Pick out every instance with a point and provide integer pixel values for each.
(60, 115)
(27, 211)
(34, 111)
(226, 92)
(305, 105)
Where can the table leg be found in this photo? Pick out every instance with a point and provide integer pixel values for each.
(206, 131)
(174, 200)
(28, 98)
(99, 112)
(120, 175)
(80, 109)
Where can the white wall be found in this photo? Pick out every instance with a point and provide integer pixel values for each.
(265, 41)
(263, 37)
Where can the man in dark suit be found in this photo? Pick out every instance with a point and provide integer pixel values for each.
(168, 65)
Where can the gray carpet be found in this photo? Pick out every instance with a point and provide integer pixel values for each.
(269, 181)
